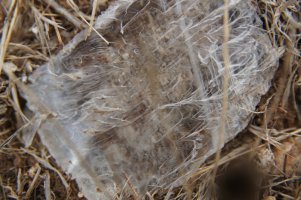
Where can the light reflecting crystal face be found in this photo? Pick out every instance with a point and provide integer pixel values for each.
(147, 108)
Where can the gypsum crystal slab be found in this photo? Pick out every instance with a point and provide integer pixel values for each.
(147, 108)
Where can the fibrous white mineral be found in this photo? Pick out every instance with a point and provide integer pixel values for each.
(147, 108)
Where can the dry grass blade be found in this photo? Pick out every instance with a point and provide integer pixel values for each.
(41, 30)
(45, 19)
(46, 164)
(77, 23)
(95, 3)
(288, 60)
(222, 128)
(297, 108)
(283, 181)
(11, 137)
(7, 31)
(76, 9)
(132, 188)
(285, 196)
(56, 28)
(12, 193)
(17, 103)
(150, 196)
(47, 186)
(238, 152)
(264, 135)
(33, 183)
(2, 192)
(19, 183)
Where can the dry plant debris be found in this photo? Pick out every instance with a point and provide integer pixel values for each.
(32, 31)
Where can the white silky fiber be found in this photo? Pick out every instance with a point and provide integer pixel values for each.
(147, 108)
